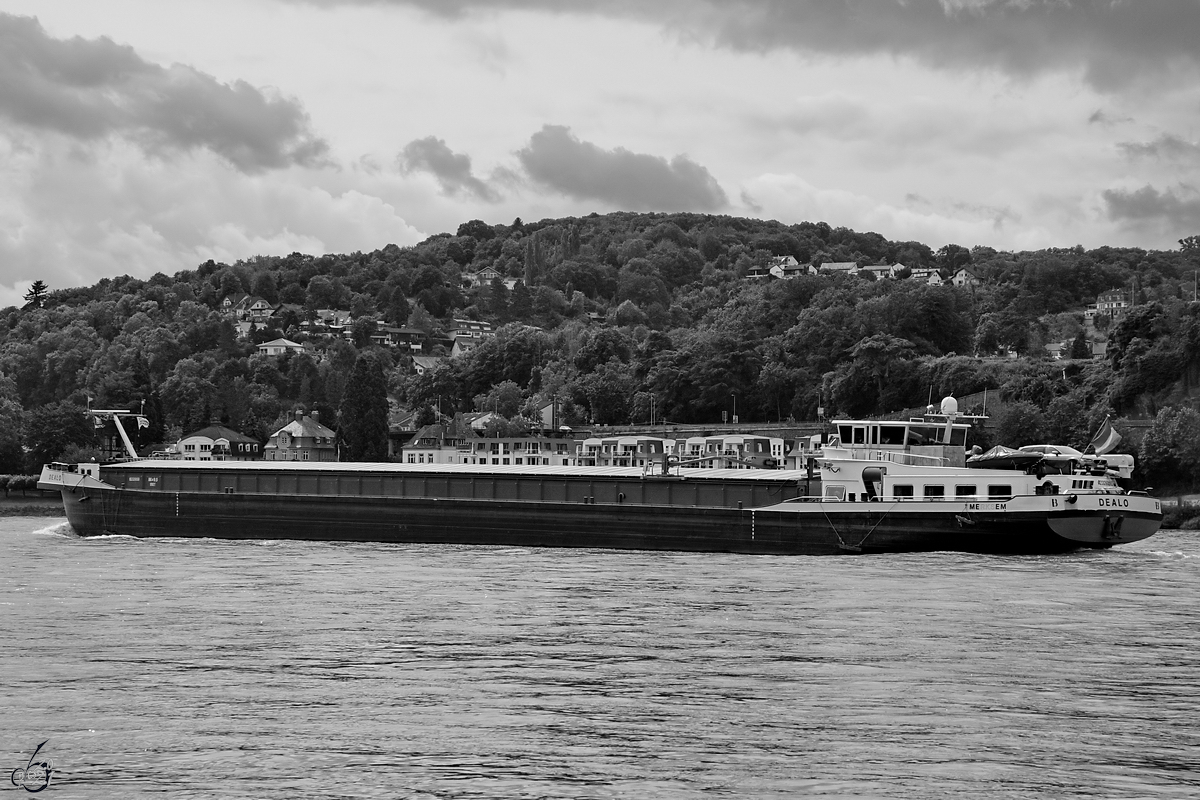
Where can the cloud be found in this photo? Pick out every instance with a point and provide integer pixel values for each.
(71, 220)
(452, 170)
(1165, 148)
(1173, 210)
(636, 181)
(1112, 42)
(90, 89)
(790, 198)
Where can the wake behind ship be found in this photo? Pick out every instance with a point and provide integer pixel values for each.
(884, 487)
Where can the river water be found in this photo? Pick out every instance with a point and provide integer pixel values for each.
(201, 668)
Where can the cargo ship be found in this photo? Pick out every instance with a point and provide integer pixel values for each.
(876, 487)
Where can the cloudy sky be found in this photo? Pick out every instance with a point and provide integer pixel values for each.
(143, 136)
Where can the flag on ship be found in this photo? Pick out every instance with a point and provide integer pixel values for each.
(1106, 439)
(143, 423)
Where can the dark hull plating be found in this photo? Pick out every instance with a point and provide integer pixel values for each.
(811, 529)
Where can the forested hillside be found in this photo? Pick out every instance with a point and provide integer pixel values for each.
(612, 315)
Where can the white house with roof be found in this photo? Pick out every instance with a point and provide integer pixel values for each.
(791, 269)
(463, 345)
(926, 275)
(218, 443)
(277, 347)
(840, 267)
(1114, 303)
(964, 277)
(883, 270)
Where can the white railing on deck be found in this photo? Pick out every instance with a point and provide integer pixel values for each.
(891, 456)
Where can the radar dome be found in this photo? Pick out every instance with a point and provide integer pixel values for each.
(949, 406)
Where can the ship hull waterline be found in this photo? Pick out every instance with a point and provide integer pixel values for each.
(809, 528)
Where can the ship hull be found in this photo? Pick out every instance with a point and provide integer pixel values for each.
(794, 528)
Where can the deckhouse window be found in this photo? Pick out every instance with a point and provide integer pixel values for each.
(891, 434)
(923, 435)
(1003, 490)
(935, 491)
(964, 491)
(902, 490)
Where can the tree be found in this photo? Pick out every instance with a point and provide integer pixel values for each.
(51, 429)
(1080, 347)
(505, 399)
(477, 229)
(35, 296)
(1020, 424)
(361, 331)
(363, 415)
(263, 285)
(878, 354)
(1170, 450)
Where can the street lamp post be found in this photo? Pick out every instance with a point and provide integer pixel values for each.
(734, 396)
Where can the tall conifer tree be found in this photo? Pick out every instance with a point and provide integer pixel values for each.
(364, 413)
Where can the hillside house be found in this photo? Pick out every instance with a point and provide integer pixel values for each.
(791, 269)
(926, 275)
(1113, 304)
(840, 267)
(964, 277)
(408, 340)
(473, 328)
(423, 364)
(482, 277)
(277, 347)
(302, 439)
(463, 344)
(882, 270)
(218, 443)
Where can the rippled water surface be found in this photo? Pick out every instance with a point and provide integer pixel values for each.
(180, 668)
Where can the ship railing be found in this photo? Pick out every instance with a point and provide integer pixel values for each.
(906, 499)
(891, 456)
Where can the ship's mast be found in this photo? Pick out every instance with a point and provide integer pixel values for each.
(101, 415)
